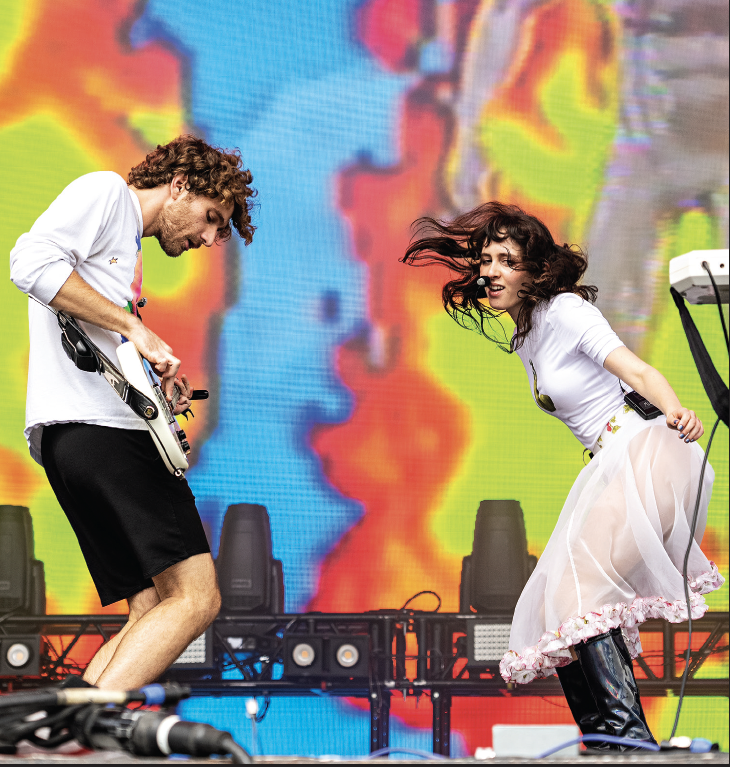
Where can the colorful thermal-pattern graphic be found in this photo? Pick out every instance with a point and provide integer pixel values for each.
(344, 399)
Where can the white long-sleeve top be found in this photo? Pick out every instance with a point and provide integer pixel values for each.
(93, 227)
(563, 356)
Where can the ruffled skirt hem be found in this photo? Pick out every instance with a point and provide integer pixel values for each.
(553, 650)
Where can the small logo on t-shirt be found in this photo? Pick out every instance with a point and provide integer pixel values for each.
(113, 260)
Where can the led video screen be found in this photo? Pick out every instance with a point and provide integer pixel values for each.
(343, 398)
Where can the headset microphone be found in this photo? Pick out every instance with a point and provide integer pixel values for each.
(482, 287)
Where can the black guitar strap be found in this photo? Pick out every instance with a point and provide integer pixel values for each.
(86, 356)
(715, 387)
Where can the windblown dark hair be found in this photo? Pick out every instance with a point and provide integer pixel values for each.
(458, 245)
(213, 172)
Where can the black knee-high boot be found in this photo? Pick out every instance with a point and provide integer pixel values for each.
(582, 703)
(606, 665)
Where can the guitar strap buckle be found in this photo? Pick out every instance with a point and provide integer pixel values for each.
(141, 404)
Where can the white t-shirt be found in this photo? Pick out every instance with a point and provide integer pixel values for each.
(563, 356)
(94, 227)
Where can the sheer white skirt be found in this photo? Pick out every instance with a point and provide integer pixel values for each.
(615, 557)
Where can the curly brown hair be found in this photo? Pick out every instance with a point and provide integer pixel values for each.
(458, 245)
(213, 172)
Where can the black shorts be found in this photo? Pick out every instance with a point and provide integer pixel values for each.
(133, 519)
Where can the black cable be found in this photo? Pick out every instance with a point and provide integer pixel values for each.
(238, 754)
(57, 724)
(418, 594)
(707, 269)
(686, 582)
(25, 729)
(688, 656)
(7, 616)
(262, 713)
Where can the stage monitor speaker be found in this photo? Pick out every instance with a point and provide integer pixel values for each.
(494, 575)
(20, 655)
(251, 581)
(22, 583)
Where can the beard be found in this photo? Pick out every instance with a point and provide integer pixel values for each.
(175, 220)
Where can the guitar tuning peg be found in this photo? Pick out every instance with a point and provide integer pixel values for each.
(142, 302)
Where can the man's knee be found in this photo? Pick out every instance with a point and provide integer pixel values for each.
(210, 607)
(194, 581)
(142, 603)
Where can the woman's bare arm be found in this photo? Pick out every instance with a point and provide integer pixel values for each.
(649, 383)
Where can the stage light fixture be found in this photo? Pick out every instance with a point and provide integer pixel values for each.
(347, 655)
(327, 656)
(251, 580)
(22, 581)
(494, 575)
(303, 655)
(486, 642)
(20, 655)
(198, 655)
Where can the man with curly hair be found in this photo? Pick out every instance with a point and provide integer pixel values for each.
(137, 525)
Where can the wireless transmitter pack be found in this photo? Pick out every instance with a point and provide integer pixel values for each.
(641, 405)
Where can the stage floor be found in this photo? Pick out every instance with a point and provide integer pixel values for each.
(120, 758)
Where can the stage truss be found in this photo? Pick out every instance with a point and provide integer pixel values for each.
(411, 653)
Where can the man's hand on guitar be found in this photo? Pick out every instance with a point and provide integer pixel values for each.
(186, 391)
(159, 354)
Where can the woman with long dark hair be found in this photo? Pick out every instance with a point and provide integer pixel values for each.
(616, 555)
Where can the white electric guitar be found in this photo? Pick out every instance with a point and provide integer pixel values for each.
(169, 438)
(137, 385)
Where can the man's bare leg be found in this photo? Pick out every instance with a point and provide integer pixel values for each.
(189, 601)
(139, 605)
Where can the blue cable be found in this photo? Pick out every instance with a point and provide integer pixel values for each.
(405, 750)
(605, 738)
(154, 694)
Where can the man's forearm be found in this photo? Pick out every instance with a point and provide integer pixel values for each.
(77, 298)
(80, 300)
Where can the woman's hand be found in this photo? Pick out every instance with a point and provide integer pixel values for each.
(686, 423)
(186, 391)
